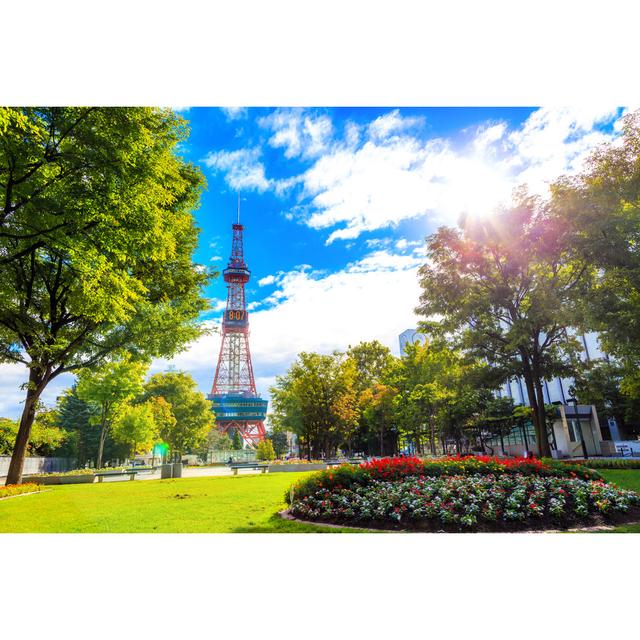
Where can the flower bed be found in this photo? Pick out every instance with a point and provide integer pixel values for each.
(461, 494)
(398, 468)
(77, 476)
(297, 461)
(295, 465)
(17, 489)
(470, 502)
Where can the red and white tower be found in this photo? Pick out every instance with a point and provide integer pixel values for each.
(235, 401)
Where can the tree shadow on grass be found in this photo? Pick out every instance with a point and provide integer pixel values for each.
(276, 524)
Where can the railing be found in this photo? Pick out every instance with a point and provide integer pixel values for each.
(240, 455)
(39, 465)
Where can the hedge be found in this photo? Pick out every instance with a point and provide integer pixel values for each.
(607, 463)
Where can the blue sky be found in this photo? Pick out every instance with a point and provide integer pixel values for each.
(336, 204)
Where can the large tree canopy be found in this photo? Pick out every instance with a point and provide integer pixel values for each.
(317, 400)
(601, 209)
(507, 288)
(191, 410)
(96, 240)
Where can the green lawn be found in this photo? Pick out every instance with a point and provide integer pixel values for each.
(625, 479)
(240, 504)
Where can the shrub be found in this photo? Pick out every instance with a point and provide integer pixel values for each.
(265, 450)
(607, 463)
(17, 489)
(466, 502)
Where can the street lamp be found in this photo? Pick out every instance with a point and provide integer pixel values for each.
(577, 415)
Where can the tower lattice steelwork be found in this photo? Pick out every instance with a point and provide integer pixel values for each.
(235, 401)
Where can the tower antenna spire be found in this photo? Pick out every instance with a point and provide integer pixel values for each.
(238, 207)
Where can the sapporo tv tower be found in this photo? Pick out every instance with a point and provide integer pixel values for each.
(235, 402)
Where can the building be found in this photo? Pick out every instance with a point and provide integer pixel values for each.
(577, 429)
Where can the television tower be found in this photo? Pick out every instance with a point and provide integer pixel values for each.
(235, 401)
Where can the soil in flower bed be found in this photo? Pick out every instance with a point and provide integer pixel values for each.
(480, 503)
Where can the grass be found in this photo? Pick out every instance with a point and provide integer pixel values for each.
(240, 504)
(625, 479)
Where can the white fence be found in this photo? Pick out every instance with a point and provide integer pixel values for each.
(38, 465)
(238, 455)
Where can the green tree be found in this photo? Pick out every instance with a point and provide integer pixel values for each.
(236, 441)
(218, 441)
(8, 433)
(82, 434)
(265, 450)
(372, 361)
(378, 411)
(135, 427)
(192, 411)
(46, 436)
(280, 442)
(496, 420)
(107, 390)
(600, 209)
(317, 400)
(505, 289)
(96, 239)
(602, 384)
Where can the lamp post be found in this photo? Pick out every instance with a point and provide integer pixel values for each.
(577, 415)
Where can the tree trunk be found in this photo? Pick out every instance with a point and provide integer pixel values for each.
(433, 436)
(35, 388)
(543, 439)
(103, 437)
(539, 422)
(545, 449)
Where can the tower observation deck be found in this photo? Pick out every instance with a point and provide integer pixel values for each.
(234, 398)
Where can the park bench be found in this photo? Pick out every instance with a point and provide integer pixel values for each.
(234, 466)
(356, 461)
(126, 472)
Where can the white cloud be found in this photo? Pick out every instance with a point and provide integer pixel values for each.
(553, 142)
(382, 128)
(299, 132)
(215, 258)
(234, 113)
(381, 174)
(267, 280)
(487, 136)
(242, 168)
(390, 178)
(383, 261)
